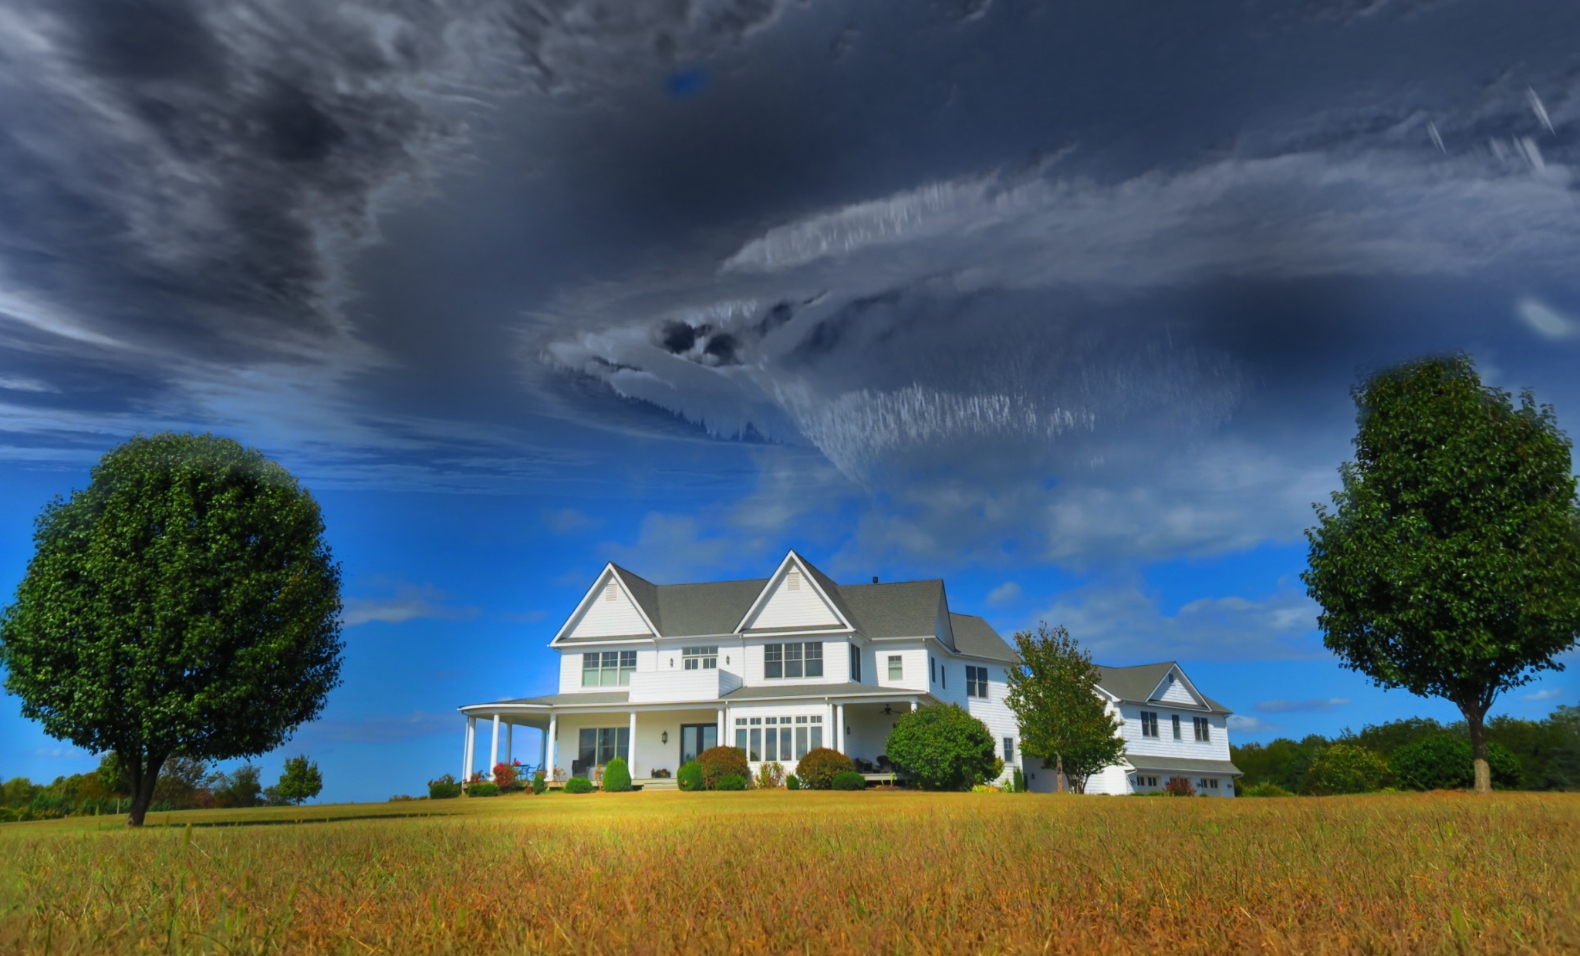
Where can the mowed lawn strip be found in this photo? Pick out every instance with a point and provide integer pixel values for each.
(775, 871)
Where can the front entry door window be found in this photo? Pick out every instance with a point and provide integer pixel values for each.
(695, 738)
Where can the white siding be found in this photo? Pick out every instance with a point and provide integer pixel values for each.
(836, 661)
(993, 712)
(913, 664)
(1175, 692)
(609, 618)
(802, 607)
(1164, 745)
(571, 664)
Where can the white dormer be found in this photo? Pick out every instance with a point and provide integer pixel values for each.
(608, 610)
(793, 600)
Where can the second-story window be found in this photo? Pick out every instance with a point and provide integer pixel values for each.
(896, 667)
(855, 664)
(1203, 728)
(792, 660)
(1149, 723)
(1176, 726)
(700, 658)
(976, 681)
(608, 668)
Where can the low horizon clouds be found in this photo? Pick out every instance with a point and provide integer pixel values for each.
(1301, 706)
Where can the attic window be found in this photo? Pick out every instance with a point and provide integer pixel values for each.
(793, 579)
(611, 592)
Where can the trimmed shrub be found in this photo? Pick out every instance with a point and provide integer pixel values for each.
(1446, 762)
(1018, 781)
(818, 767)
(719, 762)
(1179, 787)
(578, 785)
(1266, 788)
(484, 789)
(792, 782)
(730, 781)
(505, 776)
(770, 776)
(617, 777)
(848, 780)
(445, 788)
(942, 748)
(1346, 768)
(540, 783)
(689, 777)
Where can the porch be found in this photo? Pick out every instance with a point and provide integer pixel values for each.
(580, 733)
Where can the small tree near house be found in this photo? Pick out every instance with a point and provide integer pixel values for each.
(1063, 721)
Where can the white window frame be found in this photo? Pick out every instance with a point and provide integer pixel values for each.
(618, 666)
(699, 658)
(787, 659)
(896, 667)
(1149, 724)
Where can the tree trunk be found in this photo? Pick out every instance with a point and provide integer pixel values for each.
(1478, 747)
(1058, 772)
(144, 776)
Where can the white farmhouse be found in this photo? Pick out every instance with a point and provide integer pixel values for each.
(781, 665)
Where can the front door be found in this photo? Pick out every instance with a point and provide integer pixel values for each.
(695, 738)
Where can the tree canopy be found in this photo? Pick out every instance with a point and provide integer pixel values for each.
(1450, 563)
(184, 604)
(942, 748)
(1063, 720)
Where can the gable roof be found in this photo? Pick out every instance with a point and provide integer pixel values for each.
(1137, 683)
(901, 609)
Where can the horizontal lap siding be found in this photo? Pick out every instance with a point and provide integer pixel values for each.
(605, 618)
(993, 711)
(1164, 745)
(800, 608)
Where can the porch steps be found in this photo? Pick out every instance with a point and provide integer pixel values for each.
(659, 783)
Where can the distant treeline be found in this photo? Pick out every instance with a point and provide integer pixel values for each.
(184, 784)
(1536, 754)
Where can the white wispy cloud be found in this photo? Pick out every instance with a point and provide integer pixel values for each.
(1297, 706)
(1004, 595)
(409, 602)
(1247, 724)
(1547, 693)
(1122, 624)
(381, 728)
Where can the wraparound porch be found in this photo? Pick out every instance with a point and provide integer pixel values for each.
(581, 732)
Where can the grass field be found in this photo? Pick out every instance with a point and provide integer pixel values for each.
(774, 871)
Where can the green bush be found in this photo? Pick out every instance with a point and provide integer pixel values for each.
(849, 780)
(578, 785)
(1445, 762)
(942, 748)
(1018, 781)
(690, 778)
(540, 783)
(444, 788)
(484, 789)
(720, 762)
(792, 782)
(818, 767)
(1346, 768)
(1266, 788)
(770, 776)
(730, 781)
(617, 777)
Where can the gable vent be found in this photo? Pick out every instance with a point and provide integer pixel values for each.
(611, 591)
(793, 579)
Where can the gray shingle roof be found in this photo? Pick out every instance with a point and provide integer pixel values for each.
(901, 609)
(835, 592)
(1185, 764)
(555, 700)
(1137, 683)
(976, 637)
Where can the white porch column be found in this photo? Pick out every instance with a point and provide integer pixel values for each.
(543, 751)
(471, 743)
(467, 737)
(493, 751)
(510, 737)
(630, 750)
(839, 727)
(724, 729)
(551, 744)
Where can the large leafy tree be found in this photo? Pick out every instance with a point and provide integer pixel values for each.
(1450, 563)
(1063, 720)
(183, 604)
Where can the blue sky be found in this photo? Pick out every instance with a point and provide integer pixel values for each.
(1061, 303)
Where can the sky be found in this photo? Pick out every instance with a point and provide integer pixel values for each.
(1060, 302)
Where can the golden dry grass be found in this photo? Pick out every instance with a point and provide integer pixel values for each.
(760, 872)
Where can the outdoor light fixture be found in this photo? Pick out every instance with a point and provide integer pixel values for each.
(664, 736)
